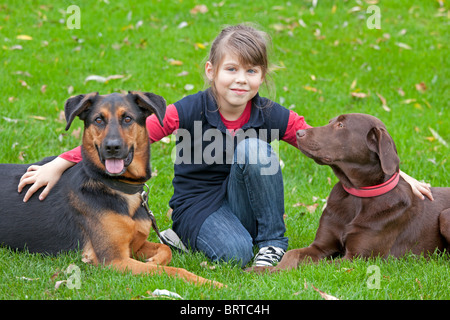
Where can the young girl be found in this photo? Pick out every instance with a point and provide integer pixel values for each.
(228, 189)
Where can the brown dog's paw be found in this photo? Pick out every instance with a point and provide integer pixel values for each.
(259, 269)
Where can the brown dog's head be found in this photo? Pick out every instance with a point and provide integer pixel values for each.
(115, 139)
(356, 146)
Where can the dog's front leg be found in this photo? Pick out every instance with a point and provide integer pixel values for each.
(156, 253)
(138, 267)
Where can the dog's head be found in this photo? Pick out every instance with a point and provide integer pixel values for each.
(356, 146)
(115, 139)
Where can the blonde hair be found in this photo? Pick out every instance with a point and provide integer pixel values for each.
(248, 44)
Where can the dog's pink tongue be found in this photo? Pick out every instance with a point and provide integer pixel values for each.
(114, 166)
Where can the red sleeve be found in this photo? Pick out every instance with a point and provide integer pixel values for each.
(295, 123)
(171, 123)
(155, 131)
(73, 155)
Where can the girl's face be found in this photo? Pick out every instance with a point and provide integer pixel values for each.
(235, 83)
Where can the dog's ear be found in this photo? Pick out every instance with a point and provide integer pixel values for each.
(150, 103)
(76, 105)
(380, 142)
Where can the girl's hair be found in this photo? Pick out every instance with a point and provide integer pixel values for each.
(249, 44)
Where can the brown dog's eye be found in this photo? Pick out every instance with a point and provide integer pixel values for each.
(98, 120)
(340, 125)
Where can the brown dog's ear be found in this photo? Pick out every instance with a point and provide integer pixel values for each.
(380, 142)
(76, 105)
(150, 103)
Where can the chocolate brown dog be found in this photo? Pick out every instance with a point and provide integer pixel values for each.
(371, 211)
(97, 205)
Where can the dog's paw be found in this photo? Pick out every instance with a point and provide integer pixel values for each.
(259, 269)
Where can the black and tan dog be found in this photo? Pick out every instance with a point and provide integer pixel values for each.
(96, 206)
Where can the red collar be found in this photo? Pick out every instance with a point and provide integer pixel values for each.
(367, 192)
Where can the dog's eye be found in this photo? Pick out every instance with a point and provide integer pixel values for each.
(127, 119)
(98, 120)
(340, 125)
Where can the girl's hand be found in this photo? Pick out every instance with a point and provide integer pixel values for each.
(420, 189)
(46, 176)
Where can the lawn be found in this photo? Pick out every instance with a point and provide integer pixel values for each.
(328, 59)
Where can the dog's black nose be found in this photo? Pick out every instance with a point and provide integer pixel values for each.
(113, 146)
(301, 133)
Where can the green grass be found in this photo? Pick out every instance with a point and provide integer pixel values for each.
(315, 79)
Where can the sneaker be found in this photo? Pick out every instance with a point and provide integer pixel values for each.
(170, 238)
(268, 256)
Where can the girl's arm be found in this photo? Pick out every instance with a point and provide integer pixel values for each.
(46, 175)
(420, 189)
(49, 174)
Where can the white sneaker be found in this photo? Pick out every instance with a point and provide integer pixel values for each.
(268, 256)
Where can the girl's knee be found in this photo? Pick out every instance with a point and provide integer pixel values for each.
(240, 253)
(254, 154)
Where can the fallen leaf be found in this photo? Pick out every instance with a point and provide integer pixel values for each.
(310, 88)
(27, 279)
(403, 45)
(59, 283)
(360, 95)
(10, 120)
(324, 295)
(438, 137)
(354, 9)
(199, 45)
(38, 118)
(408, 101)
(55, 275)
(402, 32)
(103, 79)
(418, 282)
(200, 8)
(383, 103)
(24, 84)
(165, 140)
(182, 74)
(22, 156)
(182, 25)
(24, 37)
(421, 87)
(204, 264)
(175, 62)
(309, 208)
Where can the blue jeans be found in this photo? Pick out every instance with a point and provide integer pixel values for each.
(252, 213)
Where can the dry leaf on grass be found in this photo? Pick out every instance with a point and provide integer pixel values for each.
(324, 295)
(200, 8)
(360, 95)
(103, 79)
(309, 208)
